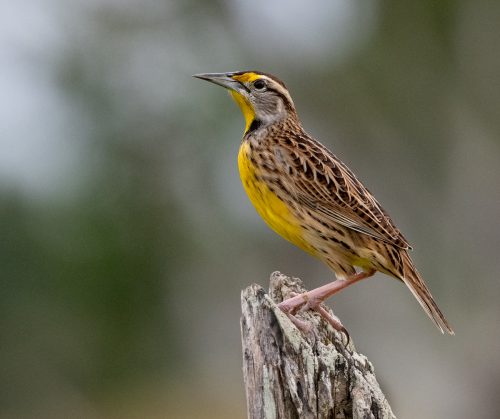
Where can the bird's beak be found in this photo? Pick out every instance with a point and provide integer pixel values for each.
(222, 79)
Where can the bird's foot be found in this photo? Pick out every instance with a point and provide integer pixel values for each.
(290, 308)
(328, 316)
(314, 298)
(310, 301)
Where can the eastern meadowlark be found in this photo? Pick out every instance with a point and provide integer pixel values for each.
(308, 196)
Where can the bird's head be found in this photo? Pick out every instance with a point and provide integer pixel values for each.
(263, 98)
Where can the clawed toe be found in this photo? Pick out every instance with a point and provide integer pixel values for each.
(302, 325)
(303, 302)
(290, 307)
(333, 320)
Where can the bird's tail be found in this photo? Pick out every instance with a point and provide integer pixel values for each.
(418, 288)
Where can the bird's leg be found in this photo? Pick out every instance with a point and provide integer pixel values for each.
(313, 299)
(316, 296)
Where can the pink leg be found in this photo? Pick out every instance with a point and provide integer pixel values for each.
(313, 299)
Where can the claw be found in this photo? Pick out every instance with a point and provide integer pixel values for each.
(333, 320)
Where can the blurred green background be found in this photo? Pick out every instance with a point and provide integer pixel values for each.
(125, 236)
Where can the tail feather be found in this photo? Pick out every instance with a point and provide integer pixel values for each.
(423, 295)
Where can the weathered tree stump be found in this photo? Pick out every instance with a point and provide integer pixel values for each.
(289, 374)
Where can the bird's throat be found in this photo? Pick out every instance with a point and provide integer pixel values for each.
(246, 109)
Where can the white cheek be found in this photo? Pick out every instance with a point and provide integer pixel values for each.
(281, 108)
(278, 113)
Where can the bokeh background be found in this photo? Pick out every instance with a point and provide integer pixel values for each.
(125, 236)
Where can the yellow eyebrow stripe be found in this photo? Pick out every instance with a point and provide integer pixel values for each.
(246, 77)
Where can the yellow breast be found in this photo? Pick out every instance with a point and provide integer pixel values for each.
(272, 209)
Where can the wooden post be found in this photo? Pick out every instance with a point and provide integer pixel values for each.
(290, 375)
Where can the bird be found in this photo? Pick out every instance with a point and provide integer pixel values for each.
(307, 195)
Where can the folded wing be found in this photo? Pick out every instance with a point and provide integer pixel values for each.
(322, 183)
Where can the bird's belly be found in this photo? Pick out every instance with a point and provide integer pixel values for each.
(275, 212)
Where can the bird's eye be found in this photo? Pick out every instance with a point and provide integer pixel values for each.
(259, 84)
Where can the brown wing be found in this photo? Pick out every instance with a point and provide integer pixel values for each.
(321, 182)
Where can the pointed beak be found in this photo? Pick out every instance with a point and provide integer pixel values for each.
(222, 79)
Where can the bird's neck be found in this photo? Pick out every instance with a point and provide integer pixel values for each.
(258, 126)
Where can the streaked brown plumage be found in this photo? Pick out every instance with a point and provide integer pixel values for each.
(307, 195)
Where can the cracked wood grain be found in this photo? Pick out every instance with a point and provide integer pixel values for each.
(289, 374)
